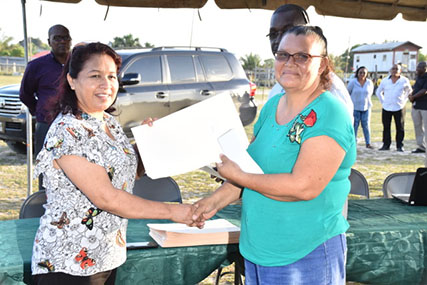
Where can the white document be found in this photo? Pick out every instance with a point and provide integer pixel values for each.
(211, 226)
(188, 139)
(231, 143)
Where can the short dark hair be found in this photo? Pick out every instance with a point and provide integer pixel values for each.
(293, 7)
(325, 78)
(357, 70)
(55, 27)
(66, 99)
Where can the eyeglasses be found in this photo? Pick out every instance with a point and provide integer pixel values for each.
(299, 57)
(58, 38)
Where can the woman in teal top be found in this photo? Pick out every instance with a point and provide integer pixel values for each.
(292, 228)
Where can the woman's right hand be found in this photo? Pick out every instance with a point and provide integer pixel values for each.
(182, 213)
(205, 209)
(149, 121)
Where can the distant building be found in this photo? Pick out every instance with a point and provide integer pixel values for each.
(378, 58)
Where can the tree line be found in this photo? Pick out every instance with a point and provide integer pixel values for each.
(343, 63)
(35, 45)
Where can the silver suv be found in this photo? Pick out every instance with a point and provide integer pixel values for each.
(154, 83)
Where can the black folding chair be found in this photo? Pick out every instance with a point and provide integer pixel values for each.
(162, 189)
(33, 205)
(359, 184)
(398, 183)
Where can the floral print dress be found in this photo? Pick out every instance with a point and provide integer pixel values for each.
(74, 236)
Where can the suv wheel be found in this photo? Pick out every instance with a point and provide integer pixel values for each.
(17, 147)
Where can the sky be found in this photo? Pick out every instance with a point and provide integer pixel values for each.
(241, 31)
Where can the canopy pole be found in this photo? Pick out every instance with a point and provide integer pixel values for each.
(28, 114)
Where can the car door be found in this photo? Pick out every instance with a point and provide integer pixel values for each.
(187, 82)
(148, 97)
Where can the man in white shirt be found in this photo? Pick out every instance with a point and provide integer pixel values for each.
(393, 94)
(284, 18)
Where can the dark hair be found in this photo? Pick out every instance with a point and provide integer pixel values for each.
(55, 27)
(66, 99)
(293, 7)
(325, 78)
(357, 70)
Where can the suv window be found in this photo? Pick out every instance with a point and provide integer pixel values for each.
(181, 69)
(216, 67)
(149, 67)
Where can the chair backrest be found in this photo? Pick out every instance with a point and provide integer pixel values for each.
(359, 185)
(33, 205)
(162, 189)
(398, 183)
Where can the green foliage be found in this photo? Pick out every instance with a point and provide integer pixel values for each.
(148, 45)
(127, 41)
(35, 45)
(9, 49)
(422, 57)
(345, 61)
(250, 62)
(268, 63)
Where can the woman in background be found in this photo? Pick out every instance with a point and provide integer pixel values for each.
(361, 89)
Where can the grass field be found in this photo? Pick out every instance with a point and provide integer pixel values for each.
(375, 165)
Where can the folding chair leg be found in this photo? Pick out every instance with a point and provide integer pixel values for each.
(237, 276)
(218, 275)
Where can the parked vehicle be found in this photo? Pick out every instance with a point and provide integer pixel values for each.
(154, 83)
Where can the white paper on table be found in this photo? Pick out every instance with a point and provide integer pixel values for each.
(211, 226)
(188, 139)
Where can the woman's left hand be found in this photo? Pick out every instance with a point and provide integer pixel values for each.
(228, 169)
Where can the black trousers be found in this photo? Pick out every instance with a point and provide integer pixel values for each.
(52, 278)
(399, 121)
(41, 131)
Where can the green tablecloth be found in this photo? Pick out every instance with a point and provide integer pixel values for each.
(387, 244)
(183, 265)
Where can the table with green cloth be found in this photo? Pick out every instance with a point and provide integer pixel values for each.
(181, 265)
(387, 244)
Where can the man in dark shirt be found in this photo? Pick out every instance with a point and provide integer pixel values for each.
(40, 80)
(419, 107)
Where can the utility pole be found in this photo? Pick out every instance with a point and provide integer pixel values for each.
(28, 115)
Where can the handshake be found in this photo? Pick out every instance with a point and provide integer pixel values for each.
(194, 215)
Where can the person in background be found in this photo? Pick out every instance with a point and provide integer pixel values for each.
(41, 78)
(284, 18)
(40, 81)
(361, 89)
(418, 99)
(292, 225)
(89, 169)
(393, 94)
